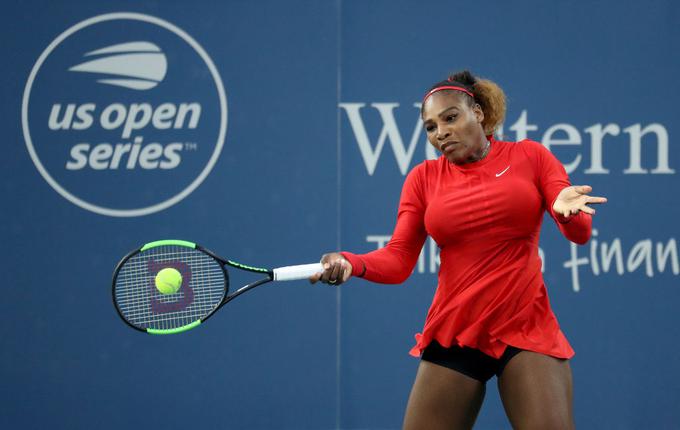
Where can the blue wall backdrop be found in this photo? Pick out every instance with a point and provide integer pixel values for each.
(272, 132)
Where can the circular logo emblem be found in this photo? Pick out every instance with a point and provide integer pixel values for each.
(124, 114)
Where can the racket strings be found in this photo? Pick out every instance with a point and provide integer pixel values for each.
(141, 304)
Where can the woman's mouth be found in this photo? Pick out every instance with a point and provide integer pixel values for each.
(447, 146)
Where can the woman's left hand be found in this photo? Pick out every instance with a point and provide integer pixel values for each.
(573, 199)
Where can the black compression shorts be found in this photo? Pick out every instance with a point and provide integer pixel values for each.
(469, 361)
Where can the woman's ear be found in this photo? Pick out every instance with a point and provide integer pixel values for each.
(479, 113)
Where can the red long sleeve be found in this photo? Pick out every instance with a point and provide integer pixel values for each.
(552, 179)
(394, 263)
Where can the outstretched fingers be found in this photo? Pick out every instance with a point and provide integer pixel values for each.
(587, 200)
(584, 208)
(583, 189)
(596, 200)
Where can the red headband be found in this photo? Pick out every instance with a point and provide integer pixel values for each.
(447, 87)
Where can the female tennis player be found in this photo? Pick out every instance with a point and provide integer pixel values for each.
(482, 201)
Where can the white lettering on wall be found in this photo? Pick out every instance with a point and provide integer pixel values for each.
(562, 134)
(389, 131)
(602, 257)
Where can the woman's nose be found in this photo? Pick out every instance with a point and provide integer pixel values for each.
(442, 134)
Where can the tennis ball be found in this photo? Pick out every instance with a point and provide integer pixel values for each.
(168, 280)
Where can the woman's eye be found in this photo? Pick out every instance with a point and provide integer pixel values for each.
(451, 118)
(429, 128)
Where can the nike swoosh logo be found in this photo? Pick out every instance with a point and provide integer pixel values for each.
(505, 170)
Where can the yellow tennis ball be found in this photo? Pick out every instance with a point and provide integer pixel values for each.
(168, 280)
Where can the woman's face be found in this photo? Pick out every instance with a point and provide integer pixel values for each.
(454, 127)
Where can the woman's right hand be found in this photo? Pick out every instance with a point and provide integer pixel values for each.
(336, 270)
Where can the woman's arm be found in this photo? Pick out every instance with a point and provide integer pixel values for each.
(565, 203)
(573, 216)
(394, 263)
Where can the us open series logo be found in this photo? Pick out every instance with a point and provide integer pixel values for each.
(124, 114)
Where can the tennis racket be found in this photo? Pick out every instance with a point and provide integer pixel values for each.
(203, 290)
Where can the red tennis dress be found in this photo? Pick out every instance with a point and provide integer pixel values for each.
(486, 218)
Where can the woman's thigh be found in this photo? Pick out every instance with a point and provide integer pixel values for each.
(536, 391)
(442, 398)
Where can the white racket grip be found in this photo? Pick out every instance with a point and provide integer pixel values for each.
(301, 271)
